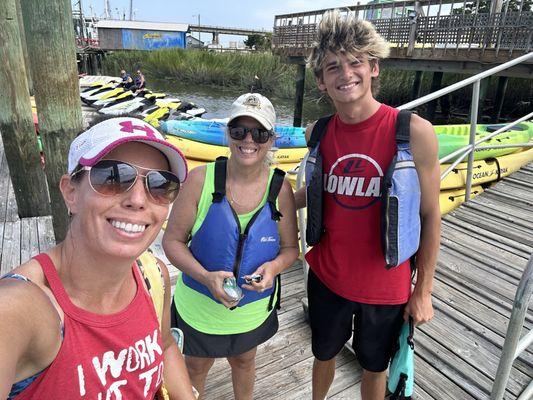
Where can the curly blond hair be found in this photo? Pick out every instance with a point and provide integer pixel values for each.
(345, 34)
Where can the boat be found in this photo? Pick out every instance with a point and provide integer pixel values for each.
(123, 104)
(449, 200)
(487, 170)
(137, 104)
(214, 132)
(104, 94)
(454, 137)
(209, 152)
(89, 80)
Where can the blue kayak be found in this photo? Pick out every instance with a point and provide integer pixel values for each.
(214, 132)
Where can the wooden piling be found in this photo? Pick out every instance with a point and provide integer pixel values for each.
(16, 121)
(299, 98)
(436, 83)
(499, 97)
(415, 93)
(24, 48)
(51, 47)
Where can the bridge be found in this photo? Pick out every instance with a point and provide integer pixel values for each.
(429, 35)
(429, 32)
(221, 30)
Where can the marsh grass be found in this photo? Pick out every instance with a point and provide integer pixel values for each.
(236, 71)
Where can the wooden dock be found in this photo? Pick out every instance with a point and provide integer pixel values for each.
(485, 247)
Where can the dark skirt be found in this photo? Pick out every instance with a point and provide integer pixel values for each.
(199, 344)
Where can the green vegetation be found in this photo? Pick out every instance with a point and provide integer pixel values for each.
(236, 71)
(224, 70)
(259, 42)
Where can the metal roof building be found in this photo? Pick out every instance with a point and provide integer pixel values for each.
(139, 35)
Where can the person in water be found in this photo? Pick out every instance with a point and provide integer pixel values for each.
(127, 81)
(78, 321)
(232, 240)
(349, 288)
(140, 82)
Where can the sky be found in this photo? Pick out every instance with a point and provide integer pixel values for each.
(227, 13)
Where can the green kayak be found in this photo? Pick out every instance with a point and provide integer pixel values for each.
(453, 137)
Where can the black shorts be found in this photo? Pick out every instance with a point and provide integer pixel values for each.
(376, 327)
(199, 344)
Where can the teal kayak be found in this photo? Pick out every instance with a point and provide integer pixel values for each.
(214, 132)
(454, 137)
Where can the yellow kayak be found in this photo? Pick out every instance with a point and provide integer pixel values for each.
(451, 199)
(486, 170)
(209, 152)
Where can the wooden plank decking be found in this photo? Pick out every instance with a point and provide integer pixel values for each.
(485, 247)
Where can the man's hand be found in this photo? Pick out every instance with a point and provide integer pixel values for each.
(419, 307)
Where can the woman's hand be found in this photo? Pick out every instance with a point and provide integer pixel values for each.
(214, 282)
(266, 271)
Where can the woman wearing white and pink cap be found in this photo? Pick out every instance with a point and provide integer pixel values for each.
(78, 321)
(232, 236)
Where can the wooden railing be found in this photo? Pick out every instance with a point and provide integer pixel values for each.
(444, 24)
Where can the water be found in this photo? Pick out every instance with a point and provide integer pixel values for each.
(217, 102)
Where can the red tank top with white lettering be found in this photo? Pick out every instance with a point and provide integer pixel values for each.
(349, 259)
(116, 356)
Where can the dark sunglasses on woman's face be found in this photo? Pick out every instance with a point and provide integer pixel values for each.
(112, 177)
(259, 135)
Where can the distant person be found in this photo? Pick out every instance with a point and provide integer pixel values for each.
(349, 287)
(127, 82)
(232, 239)
(257, 86)
(139, 80)
(78, 321)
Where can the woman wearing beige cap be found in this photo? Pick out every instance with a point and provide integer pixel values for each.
(79, 322)
(234, 235)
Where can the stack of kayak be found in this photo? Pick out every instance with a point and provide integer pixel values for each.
(203, 140)
(110, 98)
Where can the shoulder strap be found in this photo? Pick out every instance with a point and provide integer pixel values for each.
(273, 191)
(403, 125)
(318, 131)
(153, 276)
(220, 179)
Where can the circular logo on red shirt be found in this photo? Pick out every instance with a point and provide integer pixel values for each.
(354, 180)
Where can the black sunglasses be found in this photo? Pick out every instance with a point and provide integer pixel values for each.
(259, 135)
(112, 177)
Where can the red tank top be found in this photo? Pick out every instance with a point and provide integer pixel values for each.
(117, 356)
(349, 259)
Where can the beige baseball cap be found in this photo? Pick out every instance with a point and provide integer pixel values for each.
(255, 106)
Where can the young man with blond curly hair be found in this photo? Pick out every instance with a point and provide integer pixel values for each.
(347, 278)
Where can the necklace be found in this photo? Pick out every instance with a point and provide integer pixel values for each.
(232, 198)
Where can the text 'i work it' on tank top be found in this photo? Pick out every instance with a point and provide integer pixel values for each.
(102, 356)
(349, 258)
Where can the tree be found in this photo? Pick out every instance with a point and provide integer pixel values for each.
(484, 6)
(259, 42)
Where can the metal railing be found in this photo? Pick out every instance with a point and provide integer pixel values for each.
(443, 25)
(512, 345)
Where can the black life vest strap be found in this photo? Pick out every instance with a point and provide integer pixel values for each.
(273, 192)
(318, 131)
(221, 164)
(278, 292)
(403, 127)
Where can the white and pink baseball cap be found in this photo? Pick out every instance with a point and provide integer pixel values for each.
(93, 144)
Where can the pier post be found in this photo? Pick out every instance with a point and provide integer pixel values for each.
(415, 94)
(435, 85)
(299, 98)
(498, 100)
(24, 48)
(16, 121)
(51, 47)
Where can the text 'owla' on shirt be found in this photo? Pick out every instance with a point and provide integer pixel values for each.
(349, 259)
(116, 356)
